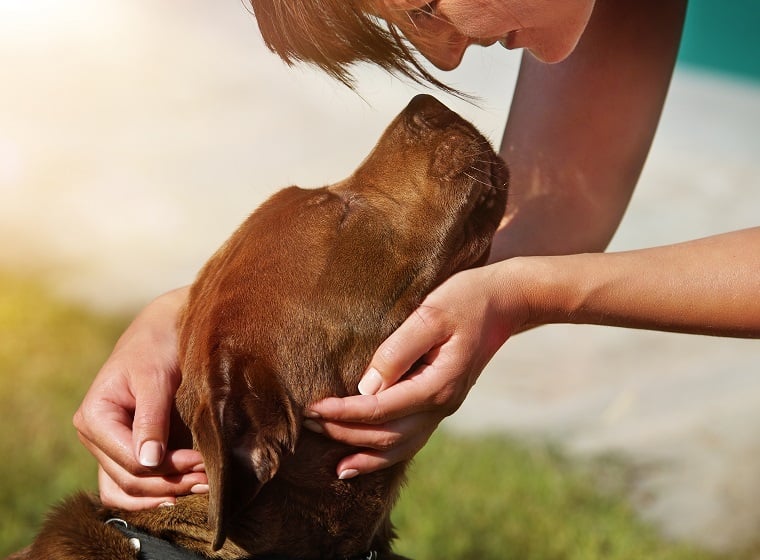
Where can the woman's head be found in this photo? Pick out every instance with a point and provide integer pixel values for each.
(335, 34)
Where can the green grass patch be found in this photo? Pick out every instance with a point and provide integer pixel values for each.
(480, 498)
(49, 353)
(494, 498)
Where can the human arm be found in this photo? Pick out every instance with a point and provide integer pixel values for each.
(124, 420)
(576, 140)
(708, 286)
(579, 132)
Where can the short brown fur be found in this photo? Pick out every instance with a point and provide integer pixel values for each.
(287, 312)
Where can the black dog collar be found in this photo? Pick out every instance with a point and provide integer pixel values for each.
(149, 547)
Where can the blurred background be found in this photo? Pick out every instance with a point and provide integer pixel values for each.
(135, 136)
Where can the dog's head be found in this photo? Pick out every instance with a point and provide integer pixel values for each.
(292, 307)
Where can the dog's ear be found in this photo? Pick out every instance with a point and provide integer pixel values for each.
(247, 424)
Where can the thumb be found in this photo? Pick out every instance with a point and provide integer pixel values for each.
(150, 427)
(418, 334)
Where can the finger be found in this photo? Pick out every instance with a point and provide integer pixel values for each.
(113, 495)
(123, 489)
(176, 462)
(380, 438)
(417, 335)
(113, 438)
(117, 450)
(369, 461)
(417, 392)
(154, 398)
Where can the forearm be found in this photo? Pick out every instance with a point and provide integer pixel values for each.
(708, 286)
(579, 132)
(156, 324)
(173, 300)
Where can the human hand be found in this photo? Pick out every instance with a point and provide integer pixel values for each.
(422, 372)
(124, 419)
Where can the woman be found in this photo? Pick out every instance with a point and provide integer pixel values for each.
(583, 115)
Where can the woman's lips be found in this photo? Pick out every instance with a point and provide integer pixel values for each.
(509, 41)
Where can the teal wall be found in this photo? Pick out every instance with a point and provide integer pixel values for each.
(723, 36)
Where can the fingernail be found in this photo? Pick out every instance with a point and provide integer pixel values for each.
(312, 414)
(200, 468)
(151, 454)
(199, 489)
(166, 505)
(370, 383)
(313, 426)
(348, 473)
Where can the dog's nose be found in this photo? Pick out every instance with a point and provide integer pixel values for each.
(425, 103)
(425, 111)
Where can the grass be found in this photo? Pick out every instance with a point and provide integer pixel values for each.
(481, 498)
(49, 351)
(494, 498)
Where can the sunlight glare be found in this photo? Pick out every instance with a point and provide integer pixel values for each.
(25, 21)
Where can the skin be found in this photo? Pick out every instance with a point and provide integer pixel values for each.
(124, 418)
(576, 140)
(442, 30)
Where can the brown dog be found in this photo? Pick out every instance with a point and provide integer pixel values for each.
(287, 312)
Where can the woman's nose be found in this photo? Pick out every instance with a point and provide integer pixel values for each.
(446, 52)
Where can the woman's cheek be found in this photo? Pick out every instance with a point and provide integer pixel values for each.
(481, 19)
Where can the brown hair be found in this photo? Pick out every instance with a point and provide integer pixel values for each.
(335, 35)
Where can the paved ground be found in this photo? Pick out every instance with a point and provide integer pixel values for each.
(685, 410)
(136, 136)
